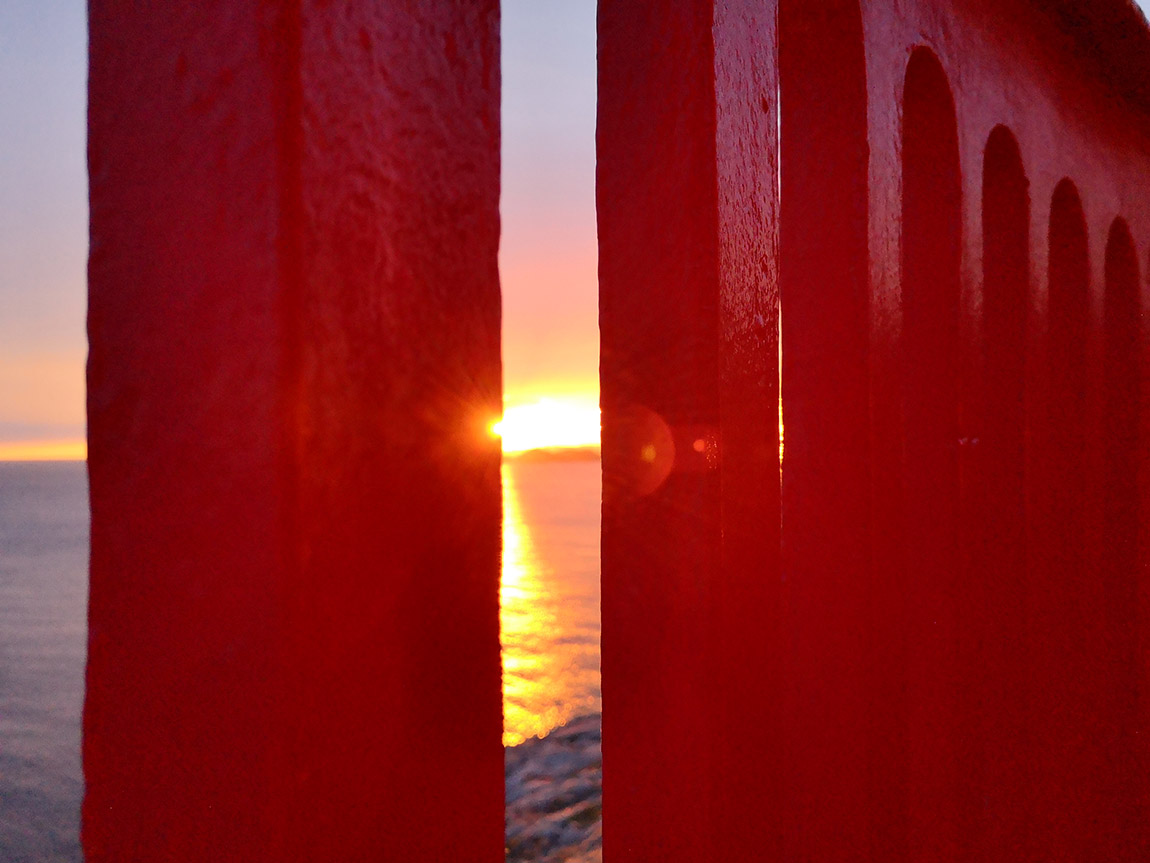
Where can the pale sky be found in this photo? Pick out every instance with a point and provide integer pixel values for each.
(43, 218)
(547, 256)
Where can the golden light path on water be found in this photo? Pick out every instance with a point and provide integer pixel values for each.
(549, 600)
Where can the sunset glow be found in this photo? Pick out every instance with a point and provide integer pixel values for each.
(521, 616)
(548, 423)
(547, 680)
(69, 450)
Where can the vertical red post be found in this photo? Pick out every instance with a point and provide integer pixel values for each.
(689, 372)
(746, 632)
(294, 330)
(826, 483)
(659, 329)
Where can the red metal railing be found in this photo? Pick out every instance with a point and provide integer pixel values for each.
(925, 643)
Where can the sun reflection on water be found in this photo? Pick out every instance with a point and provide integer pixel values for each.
(548, 623)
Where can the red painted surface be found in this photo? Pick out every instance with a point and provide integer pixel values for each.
(294, 326)
(999, 657)
(822, 265)
(933, 456)
(921, 639)
(1064, 682)
(660, 527)
(928, 641)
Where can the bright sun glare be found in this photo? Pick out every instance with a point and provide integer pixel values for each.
(548, 423)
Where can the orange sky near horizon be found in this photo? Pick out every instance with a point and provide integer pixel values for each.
(548, 254)
(547, 257)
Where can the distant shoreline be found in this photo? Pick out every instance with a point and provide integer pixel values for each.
(551, 454)
(15, 461)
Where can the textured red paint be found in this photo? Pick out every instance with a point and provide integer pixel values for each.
(294, 326)
(822, 272)
(998, 651)
(661, 335)
(929, 642)
(1064, 686)
(934, 530)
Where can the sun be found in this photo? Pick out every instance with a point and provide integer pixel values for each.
(548, 423)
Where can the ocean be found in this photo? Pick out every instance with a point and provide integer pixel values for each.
(550, 629)
(549, 595)
(43, 635)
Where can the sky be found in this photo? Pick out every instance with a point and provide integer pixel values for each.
(43, 220)
(547, 253)
(548, 256)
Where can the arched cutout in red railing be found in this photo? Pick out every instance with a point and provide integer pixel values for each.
(930, 259)
(997, 736)
(1123, 781)
(1062, 595)
(659, 306)
(823, 272)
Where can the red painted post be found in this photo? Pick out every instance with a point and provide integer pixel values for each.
(294, 329)
(826, 542)
(746, 668)
(689, 358)
(659, 324)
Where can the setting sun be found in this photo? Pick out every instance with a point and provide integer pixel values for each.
(548, 423)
